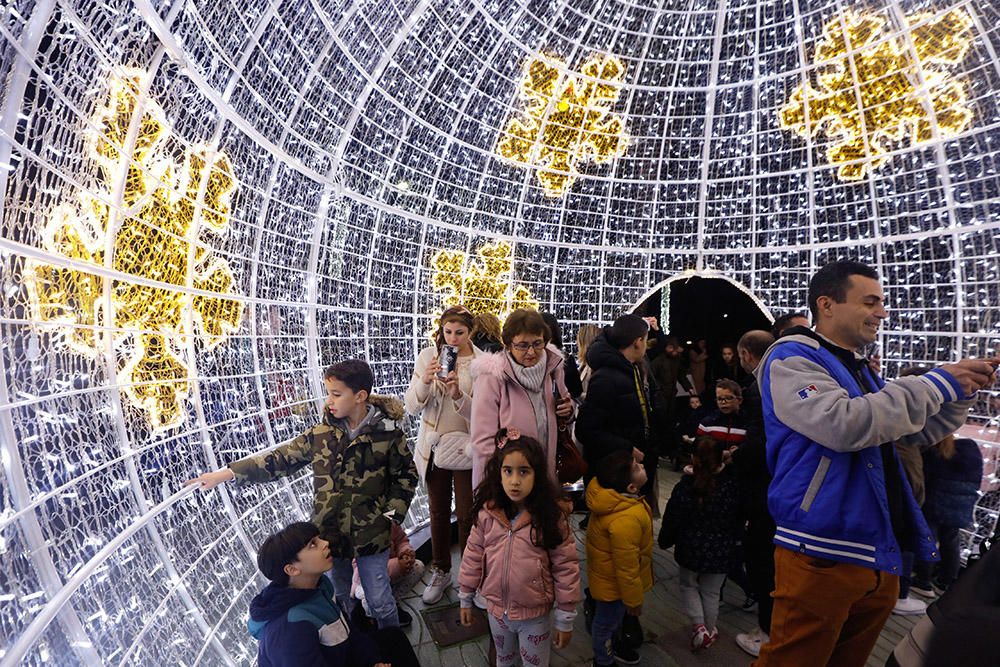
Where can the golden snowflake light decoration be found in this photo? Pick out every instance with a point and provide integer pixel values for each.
(567, 119)
(157, 236)
(897, 88)
(483, 284)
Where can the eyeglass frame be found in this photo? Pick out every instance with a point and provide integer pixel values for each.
(727, 399)
(537, 346)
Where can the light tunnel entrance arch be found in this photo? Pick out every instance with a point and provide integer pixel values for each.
(662, 290)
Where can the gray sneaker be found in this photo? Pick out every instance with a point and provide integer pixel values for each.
(910, 607)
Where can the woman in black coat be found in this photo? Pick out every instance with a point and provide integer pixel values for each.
(953, 473)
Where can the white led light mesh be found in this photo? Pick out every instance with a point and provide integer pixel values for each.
(361, 137)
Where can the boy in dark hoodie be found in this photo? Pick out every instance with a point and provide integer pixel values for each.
(296, 618)
(363, 480)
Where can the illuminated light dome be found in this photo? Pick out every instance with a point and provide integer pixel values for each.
(204, 203)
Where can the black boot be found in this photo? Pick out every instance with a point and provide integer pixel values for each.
(631, 632)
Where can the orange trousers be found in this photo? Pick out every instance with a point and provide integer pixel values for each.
(825, 612)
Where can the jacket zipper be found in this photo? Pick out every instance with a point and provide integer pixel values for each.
(506, 571)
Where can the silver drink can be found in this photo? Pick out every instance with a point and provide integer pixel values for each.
(447, 358)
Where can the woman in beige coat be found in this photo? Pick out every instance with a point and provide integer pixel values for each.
(445, 406)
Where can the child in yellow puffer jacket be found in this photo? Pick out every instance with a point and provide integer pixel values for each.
(619, 551)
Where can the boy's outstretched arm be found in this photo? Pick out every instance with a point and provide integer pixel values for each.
(209, 480)
(266, 466)
(402, 482)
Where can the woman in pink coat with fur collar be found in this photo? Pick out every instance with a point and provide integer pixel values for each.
(514, 389)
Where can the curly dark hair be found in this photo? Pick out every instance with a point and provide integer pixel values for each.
(548, 520)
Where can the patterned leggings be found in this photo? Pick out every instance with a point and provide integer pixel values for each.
(532, 635)
(700, 595)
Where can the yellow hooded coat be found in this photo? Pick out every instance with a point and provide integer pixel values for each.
(619, 546)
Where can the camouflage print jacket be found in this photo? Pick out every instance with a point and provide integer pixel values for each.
(356, 483)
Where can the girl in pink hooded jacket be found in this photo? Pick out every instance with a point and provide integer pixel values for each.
(521, 554)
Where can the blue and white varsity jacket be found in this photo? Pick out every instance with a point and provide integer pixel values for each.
(828, 494)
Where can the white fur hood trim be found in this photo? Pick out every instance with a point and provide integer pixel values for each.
(490, 364)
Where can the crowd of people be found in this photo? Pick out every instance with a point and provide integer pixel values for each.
(803, 476)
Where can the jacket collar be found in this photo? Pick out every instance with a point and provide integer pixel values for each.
(601, 353)
(810, 338)
(852, 360)
(498, 364)
(388, 416)
(523, 519)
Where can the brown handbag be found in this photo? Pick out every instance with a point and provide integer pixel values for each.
(570, 466)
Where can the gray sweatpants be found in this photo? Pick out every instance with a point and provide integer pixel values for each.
(700, 596)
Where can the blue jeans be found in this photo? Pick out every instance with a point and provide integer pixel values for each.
(374, 574)
(608, 618)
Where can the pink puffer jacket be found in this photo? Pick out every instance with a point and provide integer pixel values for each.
(499, 401)
(515, 576)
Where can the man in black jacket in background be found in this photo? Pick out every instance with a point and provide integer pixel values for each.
(622, 410)
(750, 462)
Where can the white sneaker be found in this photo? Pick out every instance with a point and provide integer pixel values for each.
(752, 641)
(436, 586)
(479, 601)
(910, 607)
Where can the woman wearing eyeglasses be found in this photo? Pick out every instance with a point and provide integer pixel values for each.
(516, 387)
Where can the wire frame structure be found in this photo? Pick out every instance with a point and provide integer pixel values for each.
(205, 202)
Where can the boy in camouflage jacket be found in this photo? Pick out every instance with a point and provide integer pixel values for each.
(363, 480)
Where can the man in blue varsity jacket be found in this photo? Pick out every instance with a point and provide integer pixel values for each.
(296, 618)
(843, 508)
